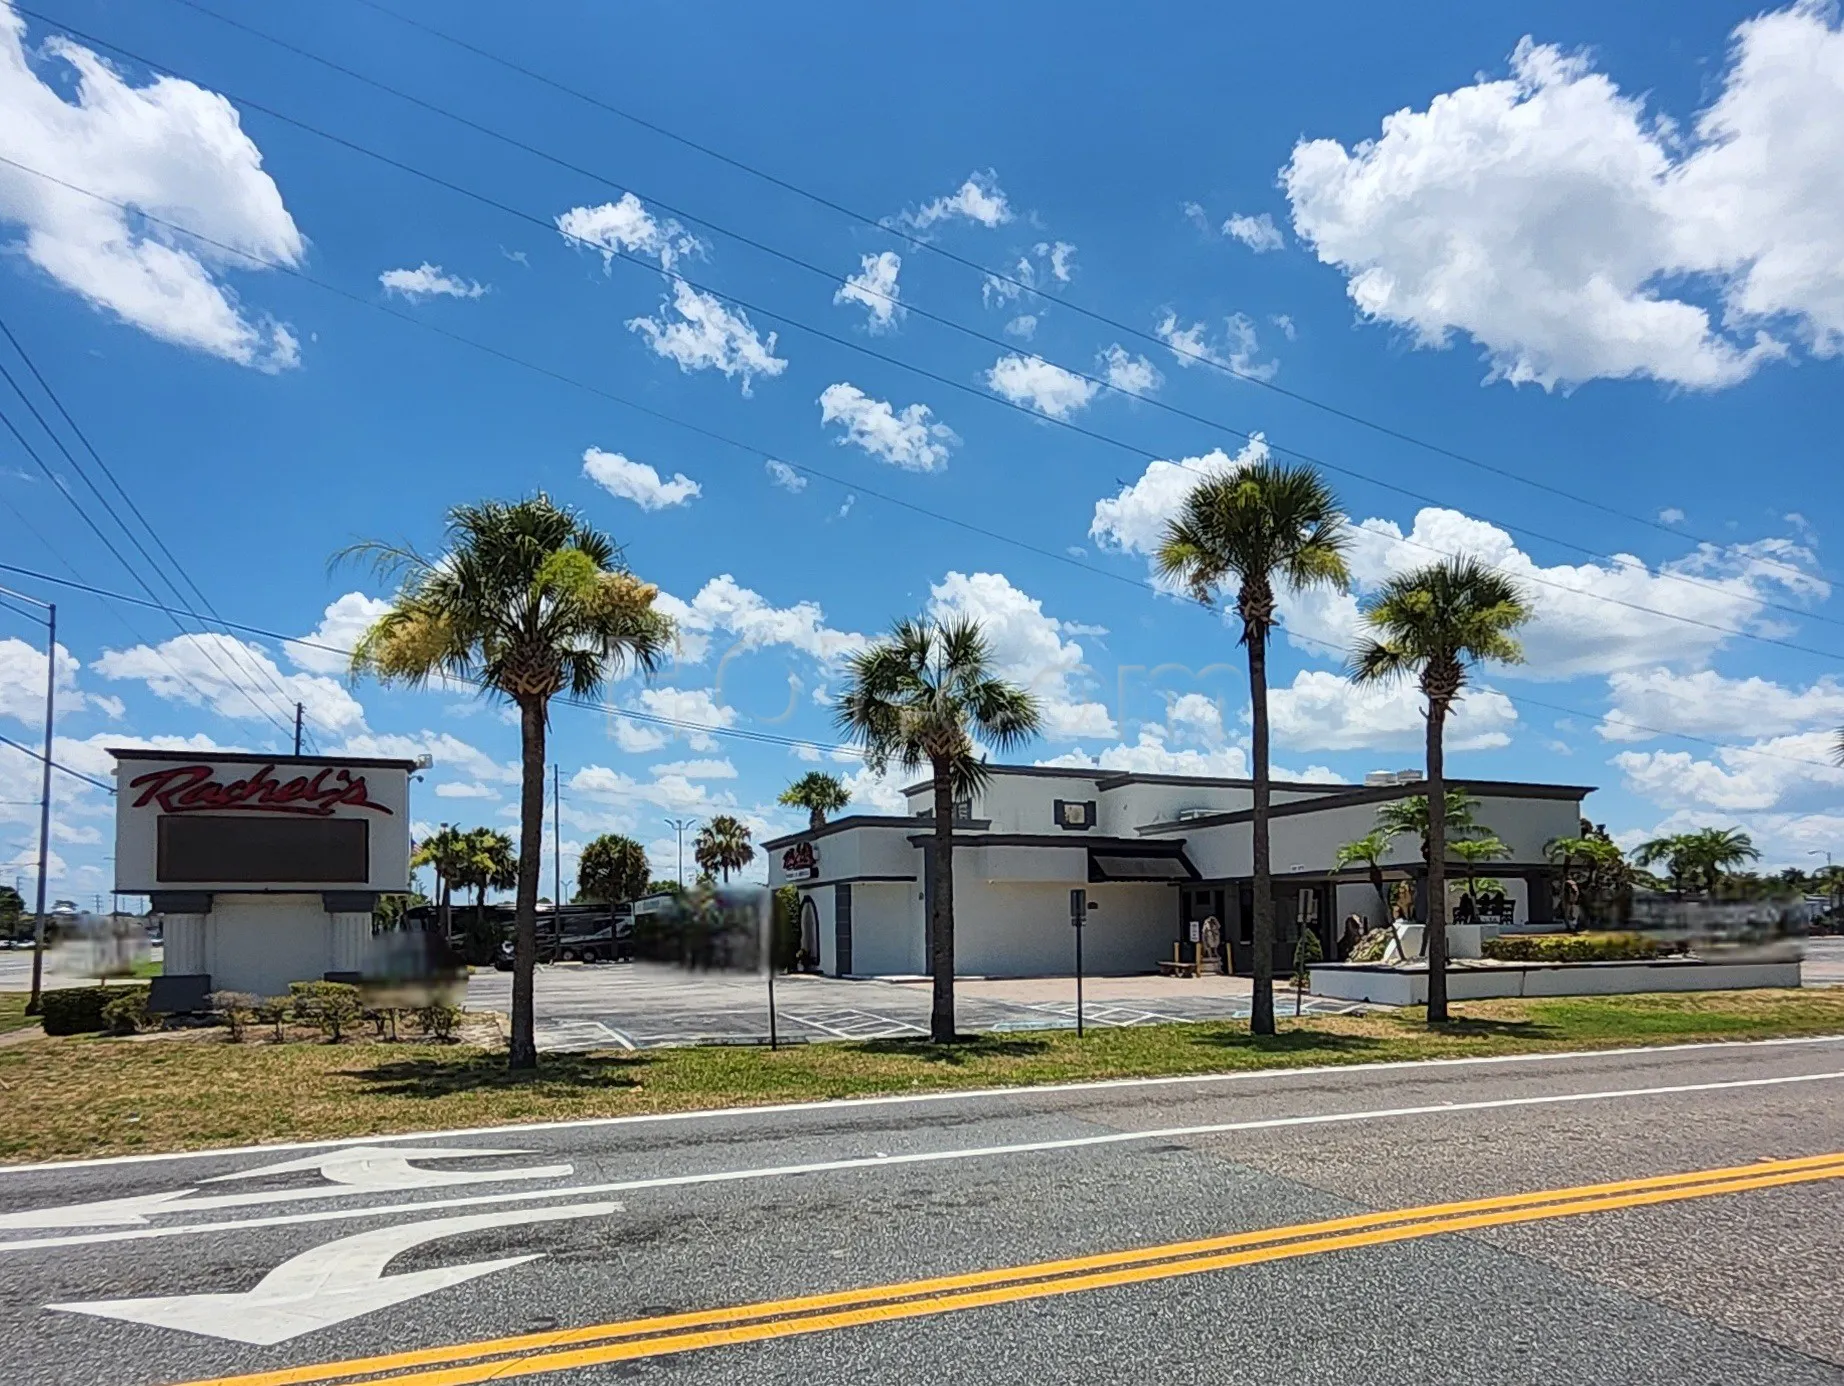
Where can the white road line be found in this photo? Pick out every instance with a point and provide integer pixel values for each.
(1165, 1133)
(840, 1104)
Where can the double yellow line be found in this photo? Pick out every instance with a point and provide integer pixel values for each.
(570, 1349)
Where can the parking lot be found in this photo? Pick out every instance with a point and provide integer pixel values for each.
(644, 1005)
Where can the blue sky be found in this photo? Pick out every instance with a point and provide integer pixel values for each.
(1595, 248)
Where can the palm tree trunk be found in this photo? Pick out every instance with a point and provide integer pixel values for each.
(524, 1046)
(816, 819)
(1435, 948)
(1376, 884)
(941, 912)
(1261, 1012)
(448, 919)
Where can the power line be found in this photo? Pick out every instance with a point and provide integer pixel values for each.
(134, 508)
(55, 764)
(95, 529)
(1098, 382)
(809, 470)
(806, 469)
(893, 228)
(636, 714)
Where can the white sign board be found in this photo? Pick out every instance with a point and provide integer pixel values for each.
(230, 822)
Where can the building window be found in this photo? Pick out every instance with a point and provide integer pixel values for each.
(841, 929)
(1073, 815)
(963, 811)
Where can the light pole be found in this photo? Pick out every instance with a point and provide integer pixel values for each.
(50, 618)
(1831, 879)
(679, 825)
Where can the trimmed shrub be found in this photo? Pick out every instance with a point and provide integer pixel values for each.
(274, 1010)
(331, 1007)
(238, 1008)
(126, 1013)
(1545, 948)
(75, 1010)
(438, 1019)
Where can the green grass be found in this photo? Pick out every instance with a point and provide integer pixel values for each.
(93, 1096)
(13, 1011)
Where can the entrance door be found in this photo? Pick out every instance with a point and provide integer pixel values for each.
(1201, 903)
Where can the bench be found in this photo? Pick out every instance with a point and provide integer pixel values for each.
(1174, 967)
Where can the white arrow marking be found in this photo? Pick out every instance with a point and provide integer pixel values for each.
(112, 1212)
(388, 1167)
(355, 1170)
(330, 1284)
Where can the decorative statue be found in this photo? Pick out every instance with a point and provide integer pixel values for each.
(1405, 901)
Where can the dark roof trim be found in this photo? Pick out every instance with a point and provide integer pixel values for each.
(1123, 778)
(863, 820)
(1053, 771)
(244, 758)
(1068, 840)
(1377, 794)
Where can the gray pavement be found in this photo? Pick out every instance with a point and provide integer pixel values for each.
(584, 1006)
(334, 1253)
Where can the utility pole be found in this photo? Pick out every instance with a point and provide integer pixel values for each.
(557, 834)
(679, 825)
(34, 1001)
(298, 710)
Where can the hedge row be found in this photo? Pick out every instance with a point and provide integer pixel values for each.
(79, 1010)
(1570, 948)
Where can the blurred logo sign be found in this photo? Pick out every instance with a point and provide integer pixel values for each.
(800, 862)
(195, 789)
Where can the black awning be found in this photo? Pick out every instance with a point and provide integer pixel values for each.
(1153, 861)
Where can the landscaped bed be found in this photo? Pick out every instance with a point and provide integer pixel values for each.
(91, 1095)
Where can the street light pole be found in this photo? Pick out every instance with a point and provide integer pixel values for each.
(35, 1000)
(679, 825)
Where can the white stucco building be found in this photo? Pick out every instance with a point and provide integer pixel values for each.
(1154, 852)
(263, 869)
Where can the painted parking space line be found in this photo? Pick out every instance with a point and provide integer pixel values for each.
(924, 1157)
(855, 1024)
(663, 1335)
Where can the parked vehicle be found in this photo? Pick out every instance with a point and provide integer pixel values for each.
(592, 936)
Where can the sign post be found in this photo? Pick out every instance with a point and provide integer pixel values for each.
(1078, 919)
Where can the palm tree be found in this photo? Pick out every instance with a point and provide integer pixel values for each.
(723, 845)
(490, 863)
(1370, 849)
(1699, 858)
(1409, 817)
(1604, 868)
(1264, 526)
(819, 794)
(444, 851)
(1434, 623)
(612, 870)
(528, 601)
(919, 697)
(1472, 852)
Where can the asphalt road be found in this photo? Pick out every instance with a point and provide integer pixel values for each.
(1046, 1236)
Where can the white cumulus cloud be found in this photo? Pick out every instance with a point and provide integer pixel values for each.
(979, 199)
(234, 678)
(1258, 233)
(1126, 371)
(341, 624)
(428, 281)
(875, 288)
(1706, 703)
(907, 439)
(1576, 236)
(637, 481)
(168, 150)
(699, 332)
(628, 228)
(1032, 381)
(724, 606)
(784, 476)
(1239, 350)
(1029, 649)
